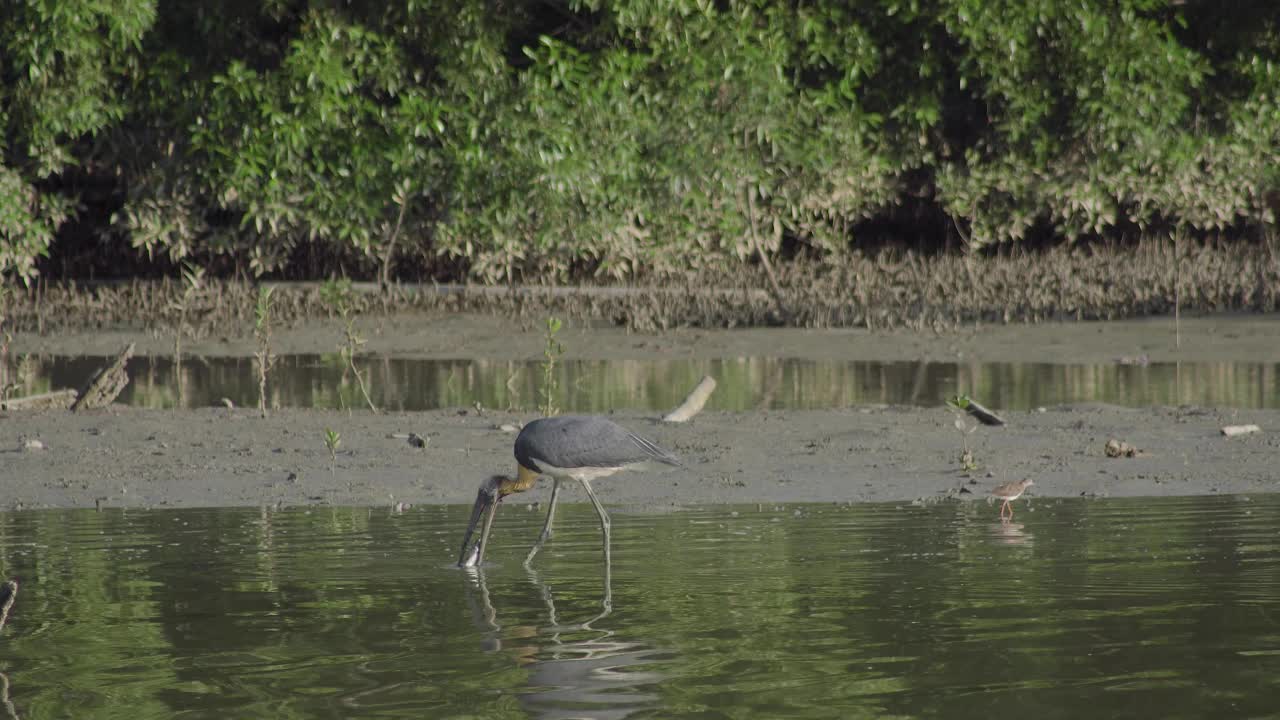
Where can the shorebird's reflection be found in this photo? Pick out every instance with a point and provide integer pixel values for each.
(586, 677)
(1006, 532)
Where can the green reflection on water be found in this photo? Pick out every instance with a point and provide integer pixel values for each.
(599, 385)
(1109, 608)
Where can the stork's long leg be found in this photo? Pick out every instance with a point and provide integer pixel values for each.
(546, 526)
(608, 555)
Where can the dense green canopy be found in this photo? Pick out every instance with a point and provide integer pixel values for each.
(526, 140)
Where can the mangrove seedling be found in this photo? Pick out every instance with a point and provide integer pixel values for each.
(192, 279)
(332, 439)
(960, 405)
(551, 352)
(24, 373)
(340, 299)
(263, 358)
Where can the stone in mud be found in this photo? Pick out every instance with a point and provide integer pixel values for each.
(1118, 448)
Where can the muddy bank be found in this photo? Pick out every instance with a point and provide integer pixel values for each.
(1233, 337)
(215, 457)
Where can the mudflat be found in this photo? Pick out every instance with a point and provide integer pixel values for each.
(132, 457)
(215, 457)
(1234, 336)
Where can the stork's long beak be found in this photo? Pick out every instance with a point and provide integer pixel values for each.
(487, 506)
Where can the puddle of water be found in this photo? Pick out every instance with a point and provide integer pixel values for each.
(601, 385)
(1110, 608)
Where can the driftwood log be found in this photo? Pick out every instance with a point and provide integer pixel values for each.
(56, 400)
(105, 384)
(692, 405)
(1234, 430)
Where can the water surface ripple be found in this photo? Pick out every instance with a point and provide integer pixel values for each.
(1105, 608)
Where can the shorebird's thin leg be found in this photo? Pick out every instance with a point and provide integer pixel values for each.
(608, 555)
(546, 526)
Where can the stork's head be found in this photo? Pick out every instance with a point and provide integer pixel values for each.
(492, 490)
(486, 505)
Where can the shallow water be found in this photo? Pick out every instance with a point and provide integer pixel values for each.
(1106, 608)
(599, 385)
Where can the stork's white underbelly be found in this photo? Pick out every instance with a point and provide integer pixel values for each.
(580, 473)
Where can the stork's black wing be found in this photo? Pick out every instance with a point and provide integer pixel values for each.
(577, 441)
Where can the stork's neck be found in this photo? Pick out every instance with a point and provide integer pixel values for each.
(524, 479)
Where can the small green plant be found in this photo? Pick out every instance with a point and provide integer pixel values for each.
(332, 440)
(263, 358)
(192, 280)
(551, 352)
(960, 405)
(340, 299)
(337, 296)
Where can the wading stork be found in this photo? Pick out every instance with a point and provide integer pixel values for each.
(571, 447)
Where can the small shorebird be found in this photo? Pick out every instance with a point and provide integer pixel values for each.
(571, 447)
(1009, 492)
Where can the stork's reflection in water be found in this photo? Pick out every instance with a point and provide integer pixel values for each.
(575, 669)
(10, 710)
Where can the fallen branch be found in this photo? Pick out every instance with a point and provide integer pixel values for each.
(692, 405)
(105, 384)
(56, 400)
